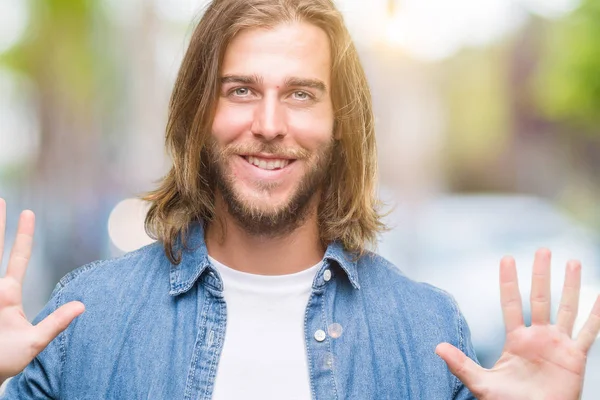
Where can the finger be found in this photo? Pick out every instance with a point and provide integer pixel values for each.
(540, 288)
(569, 302)
(590, 330)
(21, 251)
(2, 227)
(460, 365)
(510, 297)
(55, 323)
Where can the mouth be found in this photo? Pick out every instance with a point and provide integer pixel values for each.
(268, 163)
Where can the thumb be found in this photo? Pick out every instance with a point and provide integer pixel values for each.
(459, 364)
(55, 323)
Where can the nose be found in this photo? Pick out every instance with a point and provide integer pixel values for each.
(269, 119)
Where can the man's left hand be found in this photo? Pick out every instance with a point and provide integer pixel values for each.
(541, 361)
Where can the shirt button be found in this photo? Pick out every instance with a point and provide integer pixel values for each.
(327, 275)
(320, 335)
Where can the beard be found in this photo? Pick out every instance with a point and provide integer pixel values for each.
(251, 214)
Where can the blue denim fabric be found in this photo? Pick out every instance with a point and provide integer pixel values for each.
(153, 330)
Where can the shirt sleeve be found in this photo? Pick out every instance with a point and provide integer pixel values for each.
(41, 378)
(466, 346)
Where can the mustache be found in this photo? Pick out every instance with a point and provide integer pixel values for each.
(276, 150)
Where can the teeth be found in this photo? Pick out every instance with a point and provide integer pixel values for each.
(267, 164)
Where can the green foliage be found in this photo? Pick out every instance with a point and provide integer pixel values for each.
(60, 47)
(478, 116)
(568, 83)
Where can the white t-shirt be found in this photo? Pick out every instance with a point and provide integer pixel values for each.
(264, 354)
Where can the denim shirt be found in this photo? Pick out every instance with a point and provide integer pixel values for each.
(154, 330)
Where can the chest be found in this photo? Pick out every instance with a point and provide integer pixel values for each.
(329, 348)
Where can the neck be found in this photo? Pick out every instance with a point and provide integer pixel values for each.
(231, 245)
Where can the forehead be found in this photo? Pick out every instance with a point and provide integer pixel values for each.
(290, 49)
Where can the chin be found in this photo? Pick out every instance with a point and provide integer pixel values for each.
(265, 197)
(265, 203)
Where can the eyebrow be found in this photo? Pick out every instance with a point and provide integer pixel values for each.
(289, 82)
(303, 82)
(245, 79)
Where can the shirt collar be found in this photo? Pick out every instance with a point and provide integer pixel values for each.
(194, 263)
(345, 260)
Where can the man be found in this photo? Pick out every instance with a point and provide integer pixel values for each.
(260, 286)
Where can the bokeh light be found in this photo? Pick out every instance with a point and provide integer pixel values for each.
(126, 225)
(13, 22)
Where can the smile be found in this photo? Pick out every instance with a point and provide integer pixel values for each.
(268, 164)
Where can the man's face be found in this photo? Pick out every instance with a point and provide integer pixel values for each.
(273, 128)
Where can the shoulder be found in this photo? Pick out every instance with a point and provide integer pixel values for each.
(112, 274)
(111, 291)
(377, 273)
(387, 288)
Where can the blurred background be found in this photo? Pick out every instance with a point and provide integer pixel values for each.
(488, 124)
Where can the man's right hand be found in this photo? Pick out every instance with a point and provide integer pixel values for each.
(20, 341)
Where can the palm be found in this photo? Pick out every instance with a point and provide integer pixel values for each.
(541, 361)
(548, 357)
(14, 327)
(20, 341)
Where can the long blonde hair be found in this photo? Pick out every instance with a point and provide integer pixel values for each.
(349, 210)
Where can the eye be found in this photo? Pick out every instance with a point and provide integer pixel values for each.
(301, 95)
(241, 91)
